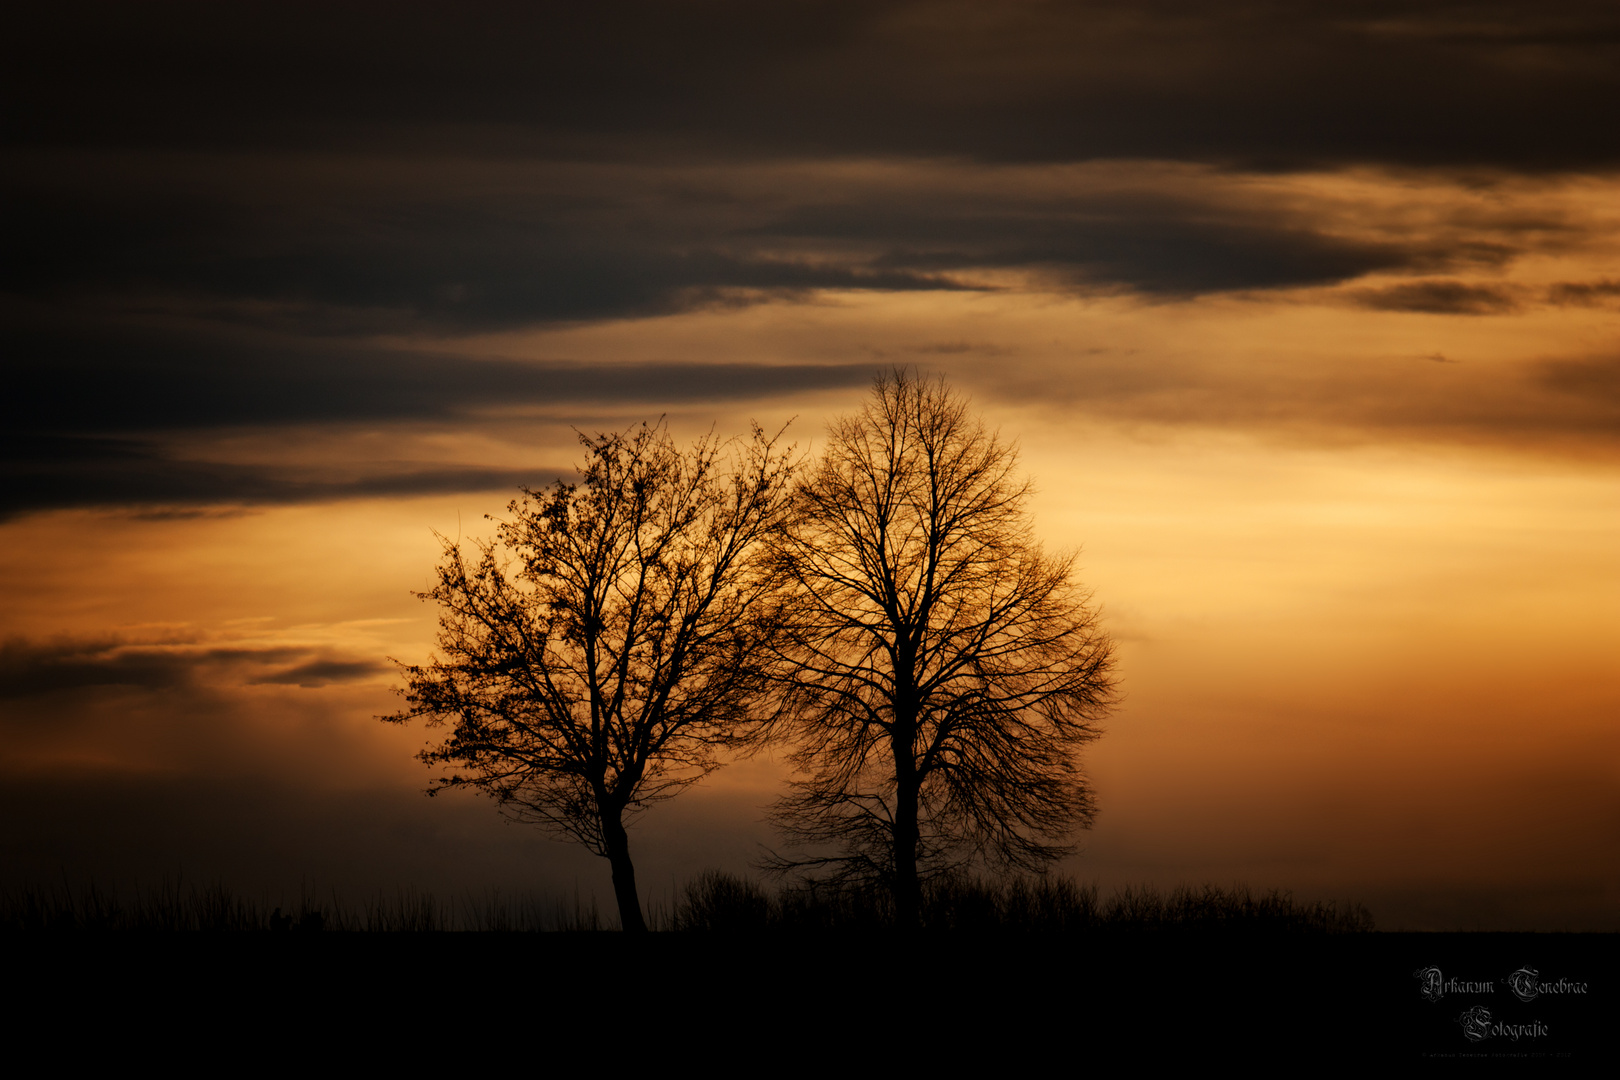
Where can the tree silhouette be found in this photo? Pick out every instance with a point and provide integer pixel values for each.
(601, 651)
(945, 671)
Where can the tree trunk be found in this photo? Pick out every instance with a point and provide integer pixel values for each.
(617, 843)
(907, 887)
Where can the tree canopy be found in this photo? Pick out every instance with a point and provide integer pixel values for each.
(611, 641)
(941, 670)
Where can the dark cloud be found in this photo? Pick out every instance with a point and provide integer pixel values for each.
(214, 213)
(1509, 83)
(1584, 293)
(29, 668)
(321, 672)
(1440, 297)
(137, 378)
(1156, 246)
(85, 416)
(57, 472)
(399, 256)
(343, 247)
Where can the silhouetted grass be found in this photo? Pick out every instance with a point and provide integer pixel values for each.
(722, 902)
(714, 902)
(172, 906)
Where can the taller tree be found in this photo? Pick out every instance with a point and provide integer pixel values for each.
(945, 669)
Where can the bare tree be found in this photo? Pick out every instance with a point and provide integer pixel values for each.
(944, 671)
(598, 655)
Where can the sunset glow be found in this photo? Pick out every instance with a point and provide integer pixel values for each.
(1321, 379)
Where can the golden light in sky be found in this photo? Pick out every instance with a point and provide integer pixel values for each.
(1328, 398)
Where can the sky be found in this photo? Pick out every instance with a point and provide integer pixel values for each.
(1303, 318)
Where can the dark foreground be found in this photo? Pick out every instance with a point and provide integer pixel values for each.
(1043, 975)
(1049, 1002)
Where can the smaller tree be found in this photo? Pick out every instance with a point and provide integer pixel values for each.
(599, 654)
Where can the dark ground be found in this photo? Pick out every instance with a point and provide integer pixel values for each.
(1066, 1003)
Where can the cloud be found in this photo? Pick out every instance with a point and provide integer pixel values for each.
(30, 667)
(1440, 297)
(122, 379)
(199, 239)
(1584, 293)
(89, 419)
(403, 254)
(349, 248)
(1508, 84)
(1159, 246)
(321, 672)
(54, 472)
(94, 401)
(1566, 406)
